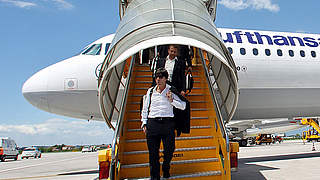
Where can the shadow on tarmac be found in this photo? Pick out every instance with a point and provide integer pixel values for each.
(279, 157)
(250, 171)
(253, 171)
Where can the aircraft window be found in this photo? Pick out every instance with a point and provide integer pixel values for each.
(107, 47)
(313, 54)
(93, 50)
(291, 53)
(302, 53)
(268, 52)
(255, 51)
(230, 50)
(279, 52)
(242, 51)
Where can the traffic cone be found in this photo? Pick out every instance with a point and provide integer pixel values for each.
(313, 148)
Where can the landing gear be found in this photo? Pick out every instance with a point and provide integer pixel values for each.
(2, 158)
(243, 142)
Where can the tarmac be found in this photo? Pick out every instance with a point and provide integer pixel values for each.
(289, 160)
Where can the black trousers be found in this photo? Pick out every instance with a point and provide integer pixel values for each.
(157, 131)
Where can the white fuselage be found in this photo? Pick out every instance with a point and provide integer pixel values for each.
(270, 86)
(274, 86)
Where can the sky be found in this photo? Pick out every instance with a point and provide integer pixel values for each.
(35, 34)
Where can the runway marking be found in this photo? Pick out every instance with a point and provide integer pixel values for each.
(51, 162)
(53, 175)
(32, 177)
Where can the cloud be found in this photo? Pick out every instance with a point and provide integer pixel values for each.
(62, 4)
(58, 131)
(52, 126)
(20, 4)
(254, 4)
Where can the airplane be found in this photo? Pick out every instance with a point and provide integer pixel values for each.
(273, 78)
(70, 87)
(244, 130)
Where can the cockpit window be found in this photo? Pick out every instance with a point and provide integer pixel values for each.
(93, 50)
(107, 47)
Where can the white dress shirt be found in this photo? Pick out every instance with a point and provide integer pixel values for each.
(169, 67)
(160, 104)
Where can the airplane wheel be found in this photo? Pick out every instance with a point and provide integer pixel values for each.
(16, 158)
(243, 143)
(3, 158)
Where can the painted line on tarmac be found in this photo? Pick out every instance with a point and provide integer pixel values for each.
(53, 175)
(28, 166)
(34, 177)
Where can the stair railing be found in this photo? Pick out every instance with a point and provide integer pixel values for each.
(213, 96)
(119, 127)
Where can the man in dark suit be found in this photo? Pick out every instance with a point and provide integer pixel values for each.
(184, 53)
(175, 67)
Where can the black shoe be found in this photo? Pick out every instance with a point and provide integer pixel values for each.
(155, 178)
(166, 174)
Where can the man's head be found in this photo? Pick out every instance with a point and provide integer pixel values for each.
(172, 51)
(161, 76)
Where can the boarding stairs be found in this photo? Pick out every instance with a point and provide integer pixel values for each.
(199, 155)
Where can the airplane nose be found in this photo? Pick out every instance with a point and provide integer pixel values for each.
(35, 90)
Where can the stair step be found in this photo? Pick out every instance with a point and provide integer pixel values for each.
(194, 112)
(192, 127)
(141, 84)
(194, 121)
(192, 118)
(194, 131)
(143, 90)
(177, 138)
(197, 175)
(135, 105)
(136, 157)
(173, 162)
(176, 150)
(143, 78)
(192, 109)
(200, 112)
(177, 167)
(143, 72)
(142, 67)
(181, 142)
(198, 104)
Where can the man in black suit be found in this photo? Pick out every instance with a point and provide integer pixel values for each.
(184, 53)
(175, 67)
